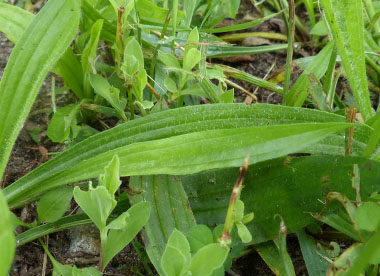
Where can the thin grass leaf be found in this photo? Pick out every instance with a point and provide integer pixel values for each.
(39, 48)
(345, 18)
(214, 51)
(241, 26)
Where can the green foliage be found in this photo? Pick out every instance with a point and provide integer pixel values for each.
(345, 19)
(7, 238)
(98, 203)
(31, 59)
(54, 204)
(177, 260)
(142, 61)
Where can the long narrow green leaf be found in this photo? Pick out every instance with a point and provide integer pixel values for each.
(14, 21)
(271, 188)
(292, 188)
(214, 51)
(195, 152)
(241, 26)
(318, 67)
(7, 238)
(244, 76)
(345, 18)
(177, 122)
(316, 265)
(170, 210)
(39, 48)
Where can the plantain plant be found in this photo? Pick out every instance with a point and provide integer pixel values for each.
(179, 155)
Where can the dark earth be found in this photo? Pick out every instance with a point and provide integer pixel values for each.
(29, 153)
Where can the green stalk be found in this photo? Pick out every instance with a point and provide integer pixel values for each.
(158, 46)
(103, 242)
(289, 56)
(174, 22)
(53, 94)
(225, 237)
(130, 100)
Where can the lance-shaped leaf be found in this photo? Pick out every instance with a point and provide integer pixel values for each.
(345, 18)
(7, 238)
(199, 151)
(39, 48)
(13, 23)
(175, 122)
(131, 222)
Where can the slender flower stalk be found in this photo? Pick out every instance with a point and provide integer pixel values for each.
(225, 237)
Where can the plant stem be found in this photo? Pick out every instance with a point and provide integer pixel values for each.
(349, 135)
(225, 237)
(289, 56)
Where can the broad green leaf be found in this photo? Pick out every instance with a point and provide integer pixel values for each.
(178, 241)
(318, 67)
(176, 122)
(139, 85)
(59, 127)
(89, 55)
(168, 59)
(173, 262)
(315, 263)
(266, 196)
(133, 48)
(149, 12)
(227, 97)
(170, 210)
(209, 149)
(239, 210)
(54, 204)
(170, 85)
(203, 265)
(7, 238)
(14, 21)
(108, 92)
(244, 233)
(39, 48)
(134, 218)
(367, 216)
(345, 18)
(192, 41)
(191, 58)
(111, 179)
(199, 236)
(96, 203)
